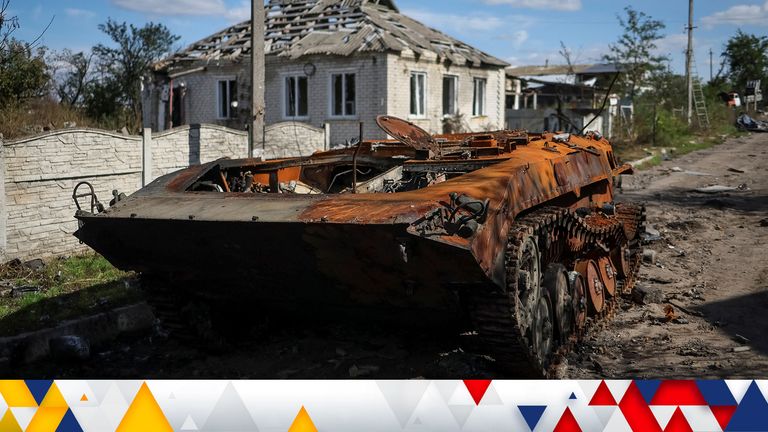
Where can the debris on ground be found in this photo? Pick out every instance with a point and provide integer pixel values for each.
(740, 339)
(35, 264)
(669, 313)
(715, 189)
(650, 234)
(741, 349)
(69, 348)
(24, 290)
(646, 295)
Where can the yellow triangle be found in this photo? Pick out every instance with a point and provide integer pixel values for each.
(9, 423)
(144, 414)
(302, 422)
(53, 399)
(84, 398)
(16, 394)
(47, 419)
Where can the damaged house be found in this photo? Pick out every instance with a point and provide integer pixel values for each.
(335, 63)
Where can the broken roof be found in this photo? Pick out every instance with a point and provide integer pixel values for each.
(584, 69)
(296, 28)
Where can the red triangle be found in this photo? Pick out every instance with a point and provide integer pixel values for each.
(602, 396)
(723, 414)
(678, 423)
(567, 423)
(477, 389)
(678, 393)
(639, 416)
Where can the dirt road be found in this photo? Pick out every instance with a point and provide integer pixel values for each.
(712, 267)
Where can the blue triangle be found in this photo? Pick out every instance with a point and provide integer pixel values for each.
(750, 414)
(532, 414)
(647, 388)
(38, 388)
(716, 393)
(69, 423)
(573, 396)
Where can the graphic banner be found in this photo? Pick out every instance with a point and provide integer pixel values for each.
(417, 405)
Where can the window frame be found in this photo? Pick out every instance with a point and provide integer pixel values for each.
(284, 98)
(479, 110)
(425, 92)
(331, 95)
(230, 114)
(455, 79)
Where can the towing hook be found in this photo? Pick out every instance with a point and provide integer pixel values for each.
(95, 206)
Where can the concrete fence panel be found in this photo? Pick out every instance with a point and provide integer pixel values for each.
(292, 139)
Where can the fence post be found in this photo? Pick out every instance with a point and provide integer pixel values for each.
(3, 214)
(146, 157)
(327, 131)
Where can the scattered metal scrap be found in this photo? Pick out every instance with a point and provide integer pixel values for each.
(749, 124)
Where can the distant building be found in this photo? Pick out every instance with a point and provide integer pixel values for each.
(558, 97)
(335, 62)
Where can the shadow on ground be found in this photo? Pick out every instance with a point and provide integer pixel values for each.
(731, 201)
(743, 316)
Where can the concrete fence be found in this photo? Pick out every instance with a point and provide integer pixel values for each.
(40, 173)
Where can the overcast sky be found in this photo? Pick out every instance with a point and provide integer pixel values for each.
(522, 32)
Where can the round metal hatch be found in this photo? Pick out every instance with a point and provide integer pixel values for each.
(406, 132)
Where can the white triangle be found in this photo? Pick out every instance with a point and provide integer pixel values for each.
(171, 396)
(230, 413)
(589, 387)
(3, 405)
(700, 418)
(738, 388)
(403, 397)
(663, 414)
(24, 416)
(92, 418)
(129, 389)
(604, 413)
(461, 396)
(618, 388)
(113, 406)
(73, 392)
(99, 389)
(618, 423)
(461, 413)
(446, 388)
(189, 424)
(491, 397)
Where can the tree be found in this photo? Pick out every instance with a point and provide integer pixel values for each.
(23, 73)
(747, 58)
(125, 64)
(72, 84)
(633, 52)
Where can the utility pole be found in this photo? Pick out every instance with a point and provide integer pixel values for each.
(689, 62)
(258, 64)
(710, 65)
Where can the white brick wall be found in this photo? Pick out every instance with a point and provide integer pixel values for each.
(41, 172)
(382, 87)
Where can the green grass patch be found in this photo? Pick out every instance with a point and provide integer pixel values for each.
(68, 288)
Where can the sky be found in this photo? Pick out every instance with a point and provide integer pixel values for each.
(521, 32)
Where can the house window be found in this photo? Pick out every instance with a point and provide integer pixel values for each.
(478, 101)
(296, 97)
(450, 95)
(343, 97)
(418, 94)
(227, 93)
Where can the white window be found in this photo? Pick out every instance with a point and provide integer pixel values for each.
(296, 96)
(478, 101)
(418, 94)
(227, 93)
(343, 95)
(450, 95)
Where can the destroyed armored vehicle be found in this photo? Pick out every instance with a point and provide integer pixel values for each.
(518, 231)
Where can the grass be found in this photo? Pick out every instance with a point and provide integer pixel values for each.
(68, 288)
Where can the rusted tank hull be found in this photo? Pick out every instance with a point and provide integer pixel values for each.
(374, 265)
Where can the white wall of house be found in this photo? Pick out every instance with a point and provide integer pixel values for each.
(370, 92)
(402, 66)
(382, 86)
